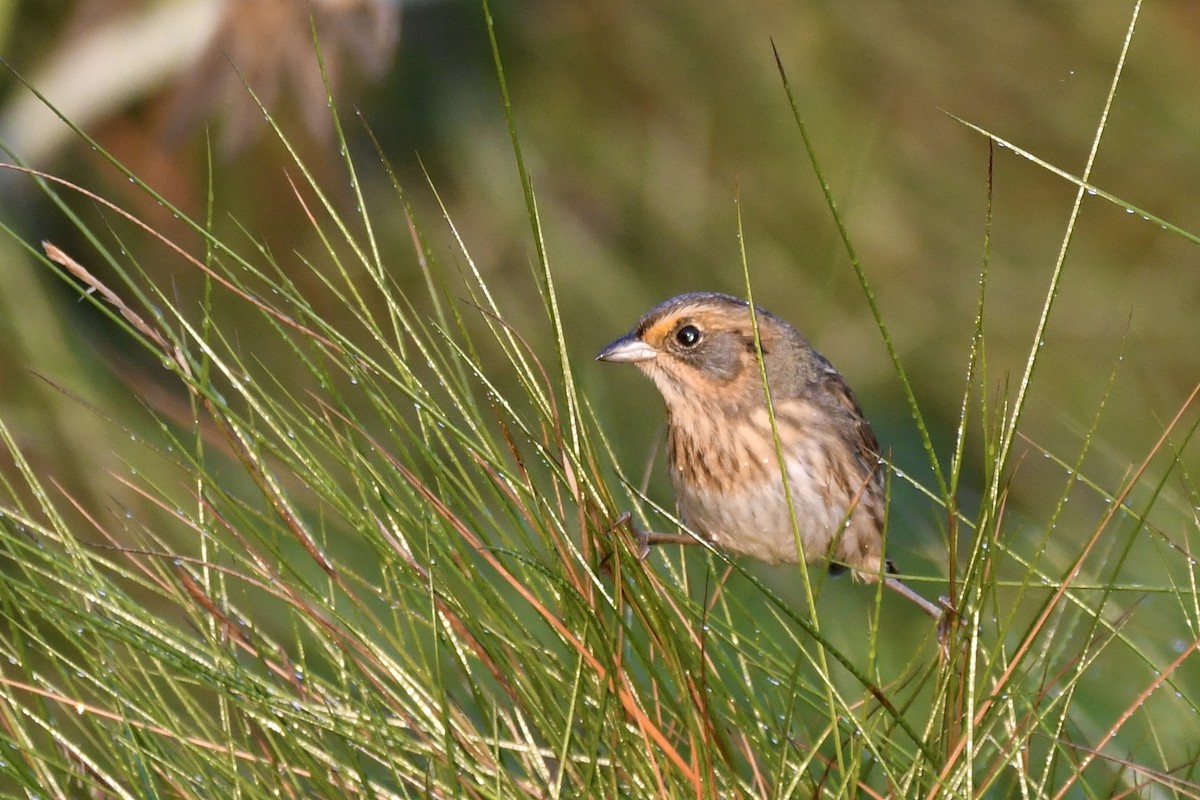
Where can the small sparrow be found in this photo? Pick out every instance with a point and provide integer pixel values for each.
(699, 349)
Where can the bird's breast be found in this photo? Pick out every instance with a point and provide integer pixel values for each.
(730, 489)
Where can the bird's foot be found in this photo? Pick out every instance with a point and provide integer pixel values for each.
(645, 539)
(946, 621)
(943, 611)
(640, 537)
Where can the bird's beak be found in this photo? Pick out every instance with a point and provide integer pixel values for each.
(627, 349)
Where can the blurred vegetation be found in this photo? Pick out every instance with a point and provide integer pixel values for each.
(641, 123)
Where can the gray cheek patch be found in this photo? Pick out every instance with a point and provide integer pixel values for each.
(720, 357)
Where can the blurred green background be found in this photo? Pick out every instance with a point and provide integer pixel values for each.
(642, 123)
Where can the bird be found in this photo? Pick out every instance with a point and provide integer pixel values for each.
(701, 352)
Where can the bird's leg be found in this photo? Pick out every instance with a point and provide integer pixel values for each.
(647, 539)
(930, 608)
(942, 611)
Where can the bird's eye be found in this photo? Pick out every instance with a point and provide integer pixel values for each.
(688, 335)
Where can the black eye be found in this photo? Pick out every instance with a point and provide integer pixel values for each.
(688, 335)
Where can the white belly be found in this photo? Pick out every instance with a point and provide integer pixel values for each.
(755, 521)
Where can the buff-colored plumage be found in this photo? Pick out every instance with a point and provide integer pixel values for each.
(699, 349)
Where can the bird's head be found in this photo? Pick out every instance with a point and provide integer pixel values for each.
(700, 348)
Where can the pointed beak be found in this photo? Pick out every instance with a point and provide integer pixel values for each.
(628, 349)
